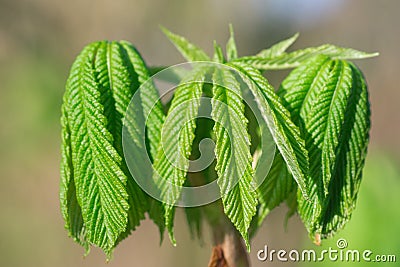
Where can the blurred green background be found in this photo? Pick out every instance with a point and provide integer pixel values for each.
(38, 43)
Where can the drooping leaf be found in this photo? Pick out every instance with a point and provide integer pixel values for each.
(276, 188)
(152, 110)
(188, 50)
(291, 202)
(70, 208)
(234, 161)
(99, 180)
(300, 98)
(172, 162)
(284, 132)
(156, 214)
(299, 81)
(231, 50)
(102, 82)
(151, 104)
(331, 105)
(294, 59)
(142, 137)
(194, 220)
(279, 48)
(203, 131)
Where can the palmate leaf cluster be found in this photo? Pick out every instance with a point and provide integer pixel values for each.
(319, 119)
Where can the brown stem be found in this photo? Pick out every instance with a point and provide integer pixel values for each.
(229, 249)
(217, 257)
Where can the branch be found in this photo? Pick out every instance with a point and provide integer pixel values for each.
(229, 249)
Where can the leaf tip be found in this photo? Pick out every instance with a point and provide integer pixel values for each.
(87, 251)
(161, 238)
(231, 32)
(166, 32)
(247, 244)
(109, 254)
(374, 54)
(365, 55)
(162, 28)
(172, 237)
(317, 239)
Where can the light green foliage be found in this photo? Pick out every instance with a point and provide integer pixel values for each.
(100, 201)
(277, 187)
(231, 50)
(285, 133)
(218, 54)
(188, 50)
(329, 99)
(319, 121)
(278, 49)
(278, 61)
(233, 152)
(178, 132)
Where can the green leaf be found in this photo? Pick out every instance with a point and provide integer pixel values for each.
(299, 92)
(109, 204)
(331, 105)
(187, 49)
(294, 59)
(276, 188)
(194, 215)
(291, 202)
(194, 220)
(99, 180)
(234, 161)
(218, 54)
(231, 51)
(156, 214)
(279, 48)
(151, 103)
(172, 161)
(284, 132)
(147, 105)
(70, 208)
(134, 65)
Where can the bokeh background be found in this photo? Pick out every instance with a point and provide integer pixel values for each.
(38, 43)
